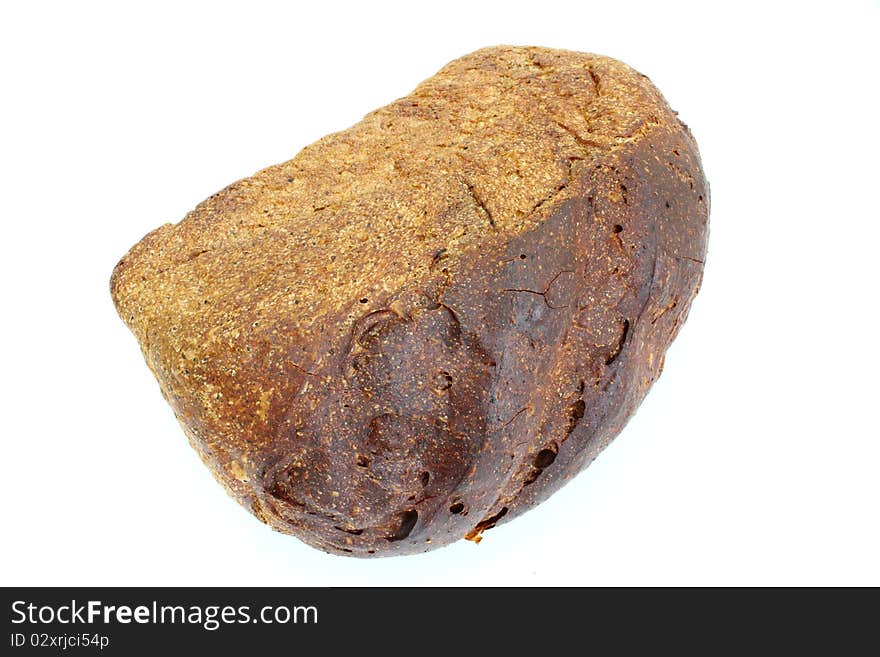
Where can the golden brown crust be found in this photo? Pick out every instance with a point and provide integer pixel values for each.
(429, 322)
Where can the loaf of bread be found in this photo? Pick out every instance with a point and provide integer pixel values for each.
(424, 325)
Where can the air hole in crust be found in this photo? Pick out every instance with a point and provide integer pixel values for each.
(353, 532)
(442, 381)
(490, 522)
(408, 520)
(456, 508)
(545, 457)
(575, 414)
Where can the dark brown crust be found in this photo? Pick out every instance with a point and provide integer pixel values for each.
(465, 396)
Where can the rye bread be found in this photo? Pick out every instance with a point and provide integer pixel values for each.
(425, 324)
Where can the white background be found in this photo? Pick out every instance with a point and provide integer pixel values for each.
(754, 460)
